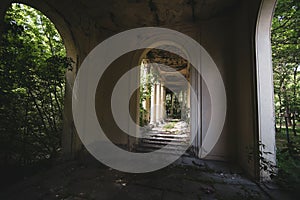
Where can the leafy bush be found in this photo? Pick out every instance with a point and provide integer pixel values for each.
(32, 85)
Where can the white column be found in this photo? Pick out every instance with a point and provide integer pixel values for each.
(265, 89)
(188, 97)
(158, 98)
(163, 105)
(153, 103)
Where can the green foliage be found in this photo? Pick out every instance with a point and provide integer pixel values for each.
(288, 161)
(176, 109)
(32, 83)
(286, 60)
(147, 80)
(169, 125)
(286, 67)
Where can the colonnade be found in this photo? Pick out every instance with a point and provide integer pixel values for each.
(158, 104)
(154, 107)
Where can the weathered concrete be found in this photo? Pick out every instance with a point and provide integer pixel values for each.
(91, 180)
(226, 29)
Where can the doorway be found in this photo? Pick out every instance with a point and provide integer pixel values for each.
(164, 103)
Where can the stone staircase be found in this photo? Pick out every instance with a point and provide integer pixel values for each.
(156, 140)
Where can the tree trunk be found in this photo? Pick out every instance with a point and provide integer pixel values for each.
(294, 100)
(287, 128)
(280, 113)
(294, 124)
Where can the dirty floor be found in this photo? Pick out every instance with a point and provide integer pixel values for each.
(188, 179)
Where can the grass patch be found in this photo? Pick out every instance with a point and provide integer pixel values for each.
(288, 160)
(169, 125)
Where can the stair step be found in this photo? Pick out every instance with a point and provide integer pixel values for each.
(165, 151)
(167, 135)
(156, 140)
(166, 139)
(159, 146)
(164, 142)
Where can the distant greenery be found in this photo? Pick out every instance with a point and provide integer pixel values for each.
(286, 62)
(286, 67)
(32, 85)
(288, 158)
(147, 80)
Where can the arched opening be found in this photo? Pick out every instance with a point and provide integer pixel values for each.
(277, 113)
(33, 66)
(286, 67)
(164, 98)
(265, 95)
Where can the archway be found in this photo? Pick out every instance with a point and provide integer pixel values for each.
(286, 67)
(265, 95)
(164, 98)
(33, 87)
(70, 141)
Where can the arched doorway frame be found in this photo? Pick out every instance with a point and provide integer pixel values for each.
(70, 142)
(265, 87)
(137, 60)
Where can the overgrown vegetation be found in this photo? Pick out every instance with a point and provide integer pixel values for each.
(286, 67)
(32, 84)
(288, 158)
(169, 125)
(147, 80)
(286, 62)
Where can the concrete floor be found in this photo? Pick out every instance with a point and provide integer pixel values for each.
(192, 179)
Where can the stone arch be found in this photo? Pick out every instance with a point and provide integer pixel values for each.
(197, 112)
(264, 74)
(70, 141)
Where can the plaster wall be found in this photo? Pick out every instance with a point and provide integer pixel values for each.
(226, 29)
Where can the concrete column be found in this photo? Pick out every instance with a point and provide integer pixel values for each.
(188, 102)
(265, 94)
(161, 105)
(164, 113)
(71, 144)
(158, 103)
(153, 103)
(183, 103)
(188, 98)
(148, 109)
